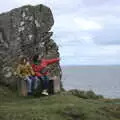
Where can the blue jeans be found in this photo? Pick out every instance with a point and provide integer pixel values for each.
(32, 83)
(35, 82)
(45, 81)
(29, 84)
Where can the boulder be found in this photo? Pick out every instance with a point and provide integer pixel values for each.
(26, 31)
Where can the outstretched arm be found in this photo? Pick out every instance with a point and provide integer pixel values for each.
(52, 61)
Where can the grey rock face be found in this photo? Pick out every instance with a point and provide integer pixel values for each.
(26, 31)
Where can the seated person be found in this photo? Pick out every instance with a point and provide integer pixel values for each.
(25, 71)
(40, 68)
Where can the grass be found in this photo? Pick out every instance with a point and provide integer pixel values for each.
(56, 107)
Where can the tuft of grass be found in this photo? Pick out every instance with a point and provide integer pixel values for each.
(85, 94)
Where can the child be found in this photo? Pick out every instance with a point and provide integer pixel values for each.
(25, 71)
(41, 71)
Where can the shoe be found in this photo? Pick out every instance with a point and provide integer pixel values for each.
(45, 92)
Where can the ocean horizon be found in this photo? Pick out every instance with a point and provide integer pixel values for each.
(102, 79)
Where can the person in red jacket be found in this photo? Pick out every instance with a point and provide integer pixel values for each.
(40, 68)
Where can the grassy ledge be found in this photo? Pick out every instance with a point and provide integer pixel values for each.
(62, 106)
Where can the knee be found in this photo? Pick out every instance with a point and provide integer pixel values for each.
(29, 81)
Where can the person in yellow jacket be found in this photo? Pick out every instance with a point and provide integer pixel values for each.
(25, 71)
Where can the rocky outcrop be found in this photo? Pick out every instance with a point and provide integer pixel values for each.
(26, 31)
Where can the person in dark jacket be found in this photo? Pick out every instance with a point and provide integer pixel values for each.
(41, 71)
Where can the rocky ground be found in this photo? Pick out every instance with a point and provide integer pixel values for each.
(62, 106)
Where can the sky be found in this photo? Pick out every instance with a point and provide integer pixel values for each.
(86, 31)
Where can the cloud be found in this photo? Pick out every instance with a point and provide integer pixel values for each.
(88, 39)
(86, 24)
(87, 31)
(32, 2)
(82, 55)
(109, 36)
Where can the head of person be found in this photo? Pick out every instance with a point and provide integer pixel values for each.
(23, 60)
(37, 58)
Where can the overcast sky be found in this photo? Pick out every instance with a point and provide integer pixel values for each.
(87, 31)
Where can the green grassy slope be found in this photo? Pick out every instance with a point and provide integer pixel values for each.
(56, 107)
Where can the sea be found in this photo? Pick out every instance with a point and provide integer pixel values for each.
(103, 80)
